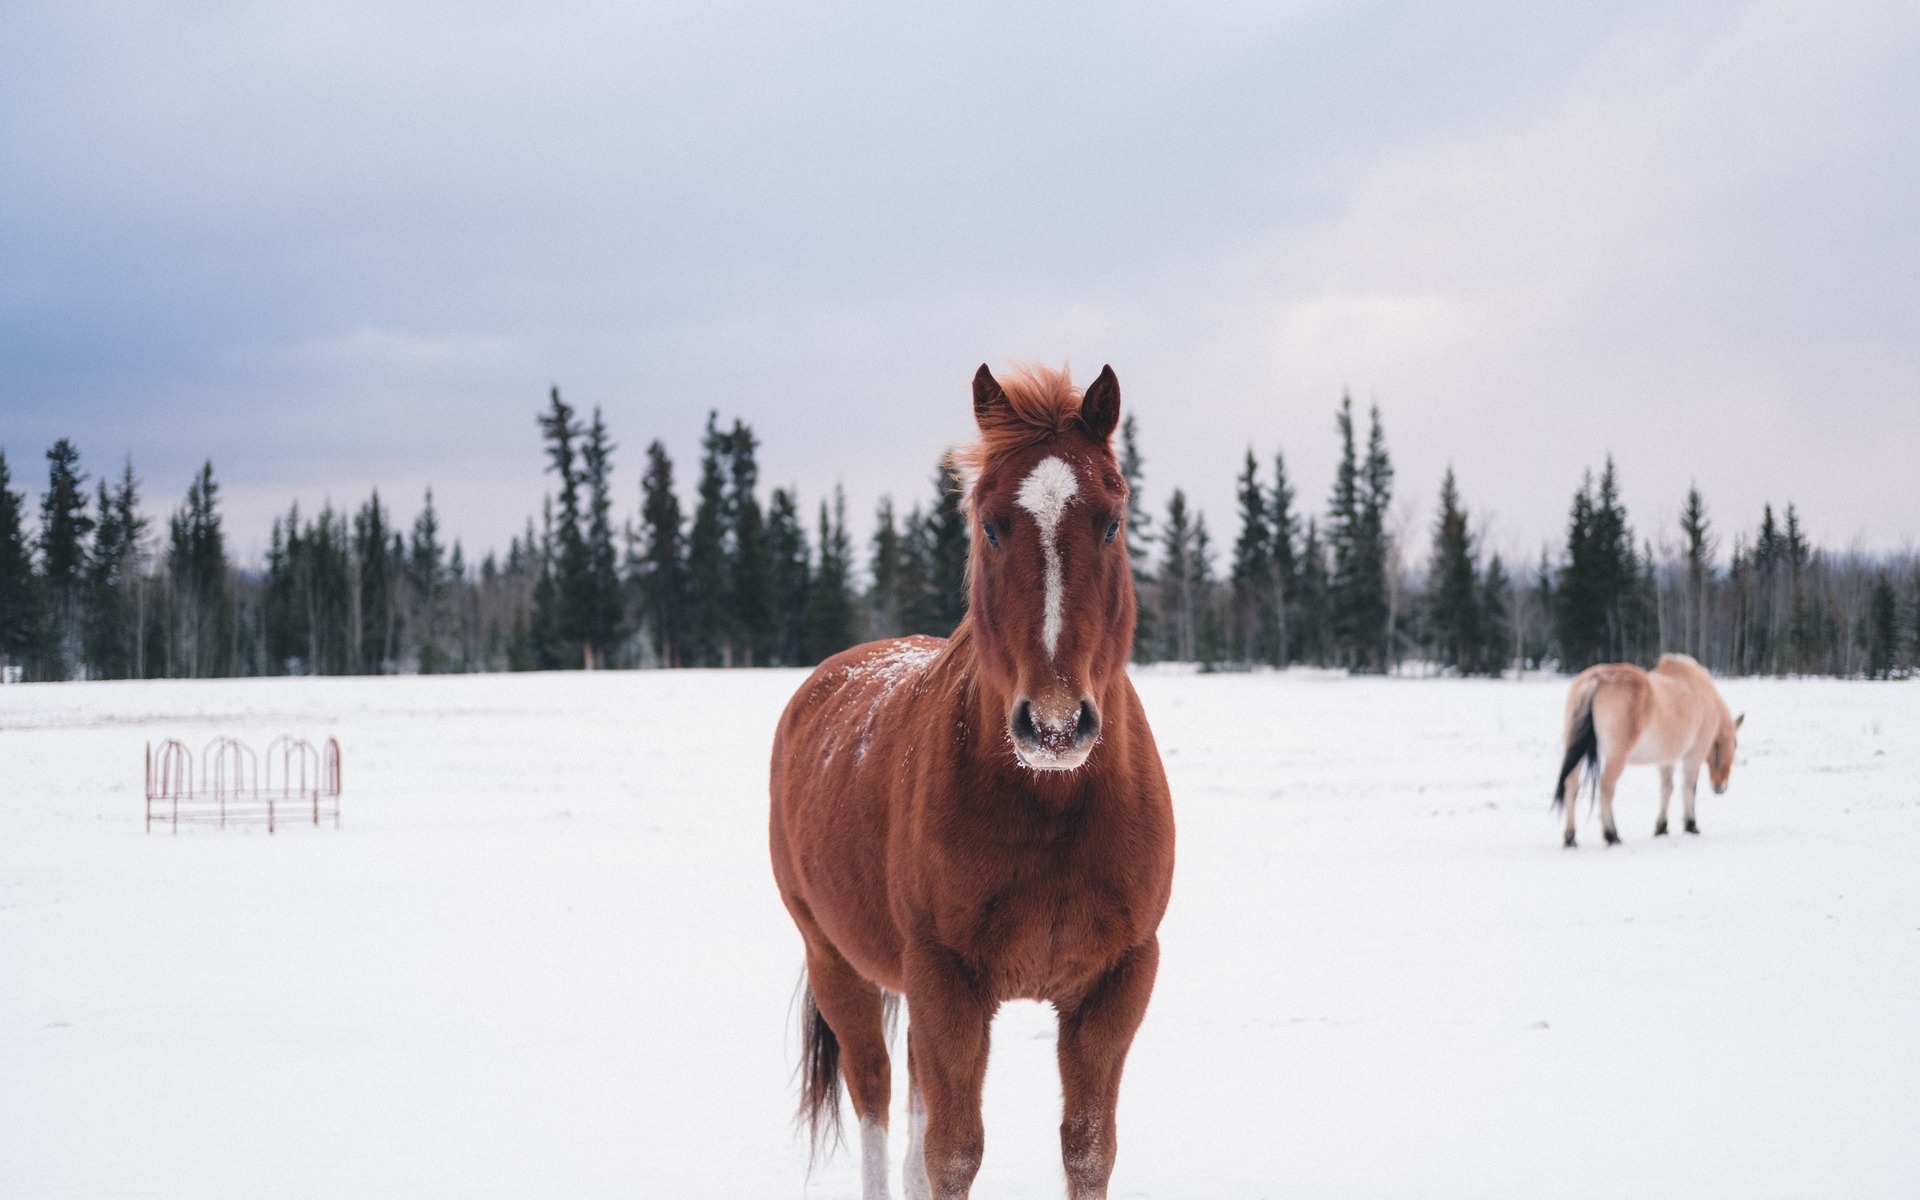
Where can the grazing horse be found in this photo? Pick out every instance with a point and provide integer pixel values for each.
(1671, 716)
(983, 818)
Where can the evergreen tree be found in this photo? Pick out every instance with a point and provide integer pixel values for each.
(1356, 534)
(947, 541)
(19, 594)
(1599, 614)
(1285, 530)
(709, 594)
(1698, 602)
(792, 578)
(1546, 602)
(202, 637)
(426, 576)
(64, 526)
(1180, 603)
(663, 567)
(887, 600)
(1315, 624)
(756, 623)
(1454, 594)
(378, 601)
(832, 621)
(1252, 575)
(1496, 625)
(1139, 539)
(602, 613)
(1211, 633)
(568, 599)
(114, 568)
(1883, 630)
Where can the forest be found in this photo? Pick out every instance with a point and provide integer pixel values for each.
(92, 587)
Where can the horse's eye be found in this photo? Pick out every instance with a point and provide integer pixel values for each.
(993, 539)
(1113, 530)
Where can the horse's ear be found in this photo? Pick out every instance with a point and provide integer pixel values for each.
(1100, 407)
(989, 402)
(1737, 720)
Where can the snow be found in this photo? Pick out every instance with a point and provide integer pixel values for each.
(543, 955)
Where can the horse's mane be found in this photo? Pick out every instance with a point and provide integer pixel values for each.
(1041, 403)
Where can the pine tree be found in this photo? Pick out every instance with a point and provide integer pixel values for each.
(426, 567)
(663, 567)
(201, 641)
(378, 602)
(602, 613)
(1883, 630)
(886, 600)
(832, 621)
(1285, 530)
(64, 526)
(756, 624)
(1180, 615)
(792, 578)
(709, 594)
(1210, 635)
(1315, 636)
(947, 542)
(1360, 615)
(1252, 575)
(114, 568)
(1600, 611)
(1698, 531)
(1496, 623)
(20, 622)
(569, 598)
(1139, 539)
(1454, 596)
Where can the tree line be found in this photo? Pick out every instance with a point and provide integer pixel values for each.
(743, 577)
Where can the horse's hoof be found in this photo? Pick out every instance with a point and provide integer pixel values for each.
(1569, 842)
(1660, 830)
(1613, 839)
(1692, 828)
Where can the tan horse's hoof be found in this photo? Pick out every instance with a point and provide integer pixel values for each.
(1660, 830)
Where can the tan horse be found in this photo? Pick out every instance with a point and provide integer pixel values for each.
(1618, 714)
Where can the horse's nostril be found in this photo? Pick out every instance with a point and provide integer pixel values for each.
(1023, 730)
(1088, 727)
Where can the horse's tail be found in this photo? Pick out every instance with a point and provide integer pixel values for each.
(819, 1074)
(1582, 743)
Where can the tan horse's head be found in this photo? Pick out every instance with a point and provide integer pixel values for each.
(1720, 754)
(1050, 594)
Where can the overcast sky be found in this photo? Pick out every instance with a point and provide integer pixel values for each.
(345, 245)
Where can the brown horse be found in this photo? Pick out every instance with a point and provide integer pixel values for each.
(1671, 716)
(984, 818)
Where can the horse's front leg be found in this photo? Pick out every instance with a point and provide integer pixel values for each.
(1094, 1036)
(949, 1014)
(1666, 795)
(1689, 784)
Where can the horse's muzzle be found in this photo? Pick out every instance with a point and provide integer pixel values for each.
(1053, 741)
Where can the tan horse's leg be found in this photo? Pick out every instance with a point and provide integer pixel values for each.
(855, 1010)
(1610, 770)
(1690, 784)
(1094, 1037)
(1666, 794)
(948, 1024)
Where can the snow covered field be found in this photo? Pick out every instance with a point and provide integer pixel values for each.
(543, 956)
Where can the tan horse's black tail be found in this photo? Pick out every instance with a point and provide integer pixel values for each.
(1583, 744)
(819, 1075)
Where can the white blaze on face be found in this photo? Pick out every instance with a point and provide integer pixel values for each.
(1045, 493)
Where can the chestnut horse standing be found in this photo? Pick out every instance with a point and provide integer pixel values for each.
(1671, 716)
(984, 818)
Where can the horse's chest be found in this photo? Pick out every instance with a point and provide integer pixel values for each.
(1042, 936)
